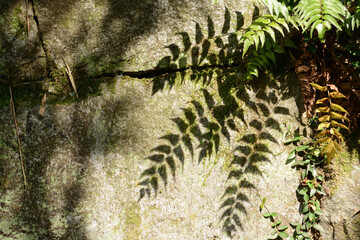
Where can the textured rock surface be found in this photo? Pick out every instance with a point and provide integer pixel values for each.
(100, 36)
(20, 56)
(341, 217)
(84, 161)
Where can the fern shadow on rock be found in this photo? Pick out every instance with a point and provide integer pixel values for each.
(196, 60)
(253, 149)
(199, 133)
(227, 106)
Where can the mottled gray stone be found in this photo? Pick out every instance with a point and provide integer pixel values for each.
(84, 161)
(21, 56)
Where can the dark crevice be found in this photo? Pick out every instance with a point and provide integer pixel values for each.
(145, 74)
(161, 71)
(49, 63)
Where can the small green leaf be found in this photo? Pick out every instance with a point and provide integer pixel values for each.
(306, 198)
(318, 227)
(271, 32)
(261, 35)
(266, 215)
(283, 227)
(275, 236)
(288, 141)
(305, 209)
(312, 192)
(247, 44)
(321, 29)
(283, 234)
(273, 214)
(302, 191)
(302, 148)
(271, 55)
(291, 156)
(318, 212)
(305, 234)
(295, 224)
(262, 204)
(332, 21)
(277, 27)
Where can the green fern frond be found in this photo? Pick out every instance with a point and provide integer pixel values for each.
(275, 8)
(261, 29)
(353, 21)
(262, 59)
(321, 15)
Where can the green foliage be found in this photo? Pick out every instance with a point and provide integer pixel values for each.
(259, 45)
(306, 156)
(321, 15)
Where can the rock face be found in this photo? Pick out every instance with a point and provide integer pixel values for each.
(85, 161)
(341, 218)
(106, 36)
(177, 145)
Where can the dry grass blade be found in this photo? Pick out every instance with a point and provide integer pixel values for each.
(42, 107)
(28, 24)
(68, 71)
(12, 108)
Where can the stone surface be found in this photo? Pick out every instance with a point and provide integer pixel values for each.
(106, 36)
(125, 35)
(21, 55)
(341, 218)
(88, 161)
(84, 162)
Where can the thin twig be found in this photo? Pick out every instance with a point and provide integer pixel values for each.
(28, 24)
(27, 83)
(68, 71)
(12, 108)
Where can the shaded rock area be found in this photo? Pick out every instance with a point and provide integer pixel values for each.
(104, 37)
(341, 217)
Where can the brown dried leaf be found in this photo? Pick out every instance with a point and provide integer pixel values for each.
(322, 133)
(323, 140)
(335, 132)
(330, 151)
(333, 87)
(42, 107)
(302, 69)
(68, 71)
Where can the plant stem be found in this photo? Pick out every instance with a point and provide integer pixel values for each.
(12, 108)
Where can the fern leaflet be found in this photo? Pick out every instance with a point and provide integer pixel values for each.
(321, 15)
